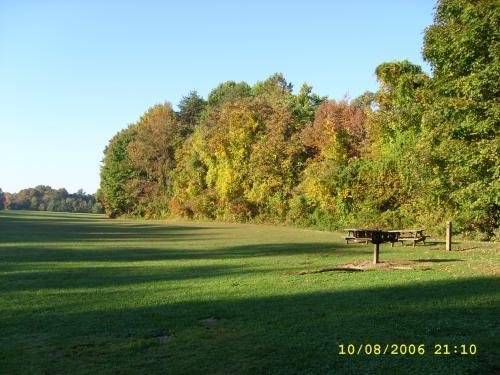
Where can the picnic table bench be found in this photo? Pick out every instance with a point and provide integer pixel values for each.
(375, 236)
(359, 235)
(366, 235)
(409, 235)
(399, 235)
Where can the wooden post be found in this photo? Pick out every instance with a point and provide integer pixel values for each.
(375, 253)
(448, 236)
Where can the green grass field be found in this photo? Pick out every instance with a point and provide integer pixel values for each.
(85, 294)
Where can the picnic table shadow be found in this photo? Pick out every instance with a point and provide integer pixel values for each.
(297, 333)
(438, 260)
(435, 242)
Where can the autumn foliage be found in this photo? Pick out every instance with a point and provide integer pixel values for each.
(421, 150)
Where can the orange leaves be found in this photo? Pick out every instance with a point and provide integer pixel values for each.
(338, 124)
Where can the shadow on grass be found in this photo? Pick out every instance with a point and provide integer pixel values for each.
(30, 215)
(323, 270)
(438, 260)
(79, 230)
(97, 277)
(432, 242)
(21, 254)
(297, 333)
(28, 239)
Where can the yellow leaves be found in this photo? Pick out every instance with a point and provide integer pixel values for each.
(152, 149)
(315, 184)
(345, 194)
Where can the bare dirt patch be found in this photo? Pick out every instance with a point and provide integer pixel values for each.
(418, 265)
(389, 265)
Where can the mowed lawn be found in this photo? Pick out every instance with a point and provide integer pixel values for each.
(85, 294)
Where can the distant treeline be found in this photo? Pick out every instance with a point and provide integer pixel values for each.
(421, 150)
(44, 198)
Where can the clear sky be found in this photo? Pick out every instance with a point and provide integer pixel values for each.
(73, 73)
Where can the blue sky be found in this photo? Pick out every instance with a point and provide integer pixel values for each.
(73, 73)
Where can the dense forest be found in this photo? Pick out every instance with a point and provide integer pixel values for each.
(44, 198)
(420, 150)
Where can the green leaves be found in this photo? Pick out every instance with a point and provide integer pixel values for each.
(116, 172)
(462, 117)
(44, 198)
(420, 150)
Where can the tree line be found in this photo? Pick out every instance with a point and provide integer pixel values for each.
(44, 198)
(420, 150)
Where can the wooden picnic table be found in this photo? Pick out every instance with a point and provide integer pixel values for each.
(375, 236)
(359, 234)
(409, 235)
